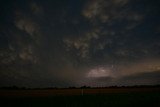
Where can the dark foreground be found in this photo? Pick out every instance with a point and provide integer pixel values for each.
(141, 97)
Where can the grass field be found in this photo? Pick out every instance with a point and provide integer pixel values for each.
(112, 97)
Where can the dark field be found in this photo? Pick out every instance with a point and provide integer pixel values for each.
(109, 97)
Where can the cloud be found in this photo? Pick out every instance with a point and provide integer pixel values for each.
(27, 54)
(120, 2)
(151, 78)
(20, 57)
(27, 36)
(92, 9)
(7, 57)
(82, 43)
(79, 44)
(143, 72)
(115, 20)
(144, 66)
(26, 24)
(41, 45)
(98, 72)
(36, 9)
(109, 11)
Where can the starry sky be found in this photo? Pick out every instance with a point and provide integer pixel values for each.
(62, 43)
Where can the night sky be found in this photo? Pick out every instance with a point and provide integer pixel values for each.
(62, 43)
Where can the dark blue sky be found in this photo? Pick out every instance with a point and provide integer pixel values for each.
(63, 43)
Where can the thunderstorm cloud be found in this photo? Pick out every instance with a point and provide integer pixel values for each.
(61, 43)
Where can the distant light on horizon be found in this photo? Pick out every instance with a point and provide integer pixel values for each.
(99, 72)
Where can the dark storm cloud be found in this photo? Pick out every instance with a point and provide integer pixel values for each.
(109, 34)
(60, 43)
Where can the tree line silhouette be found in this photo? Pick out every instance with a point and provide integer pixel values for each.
(82, 87)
